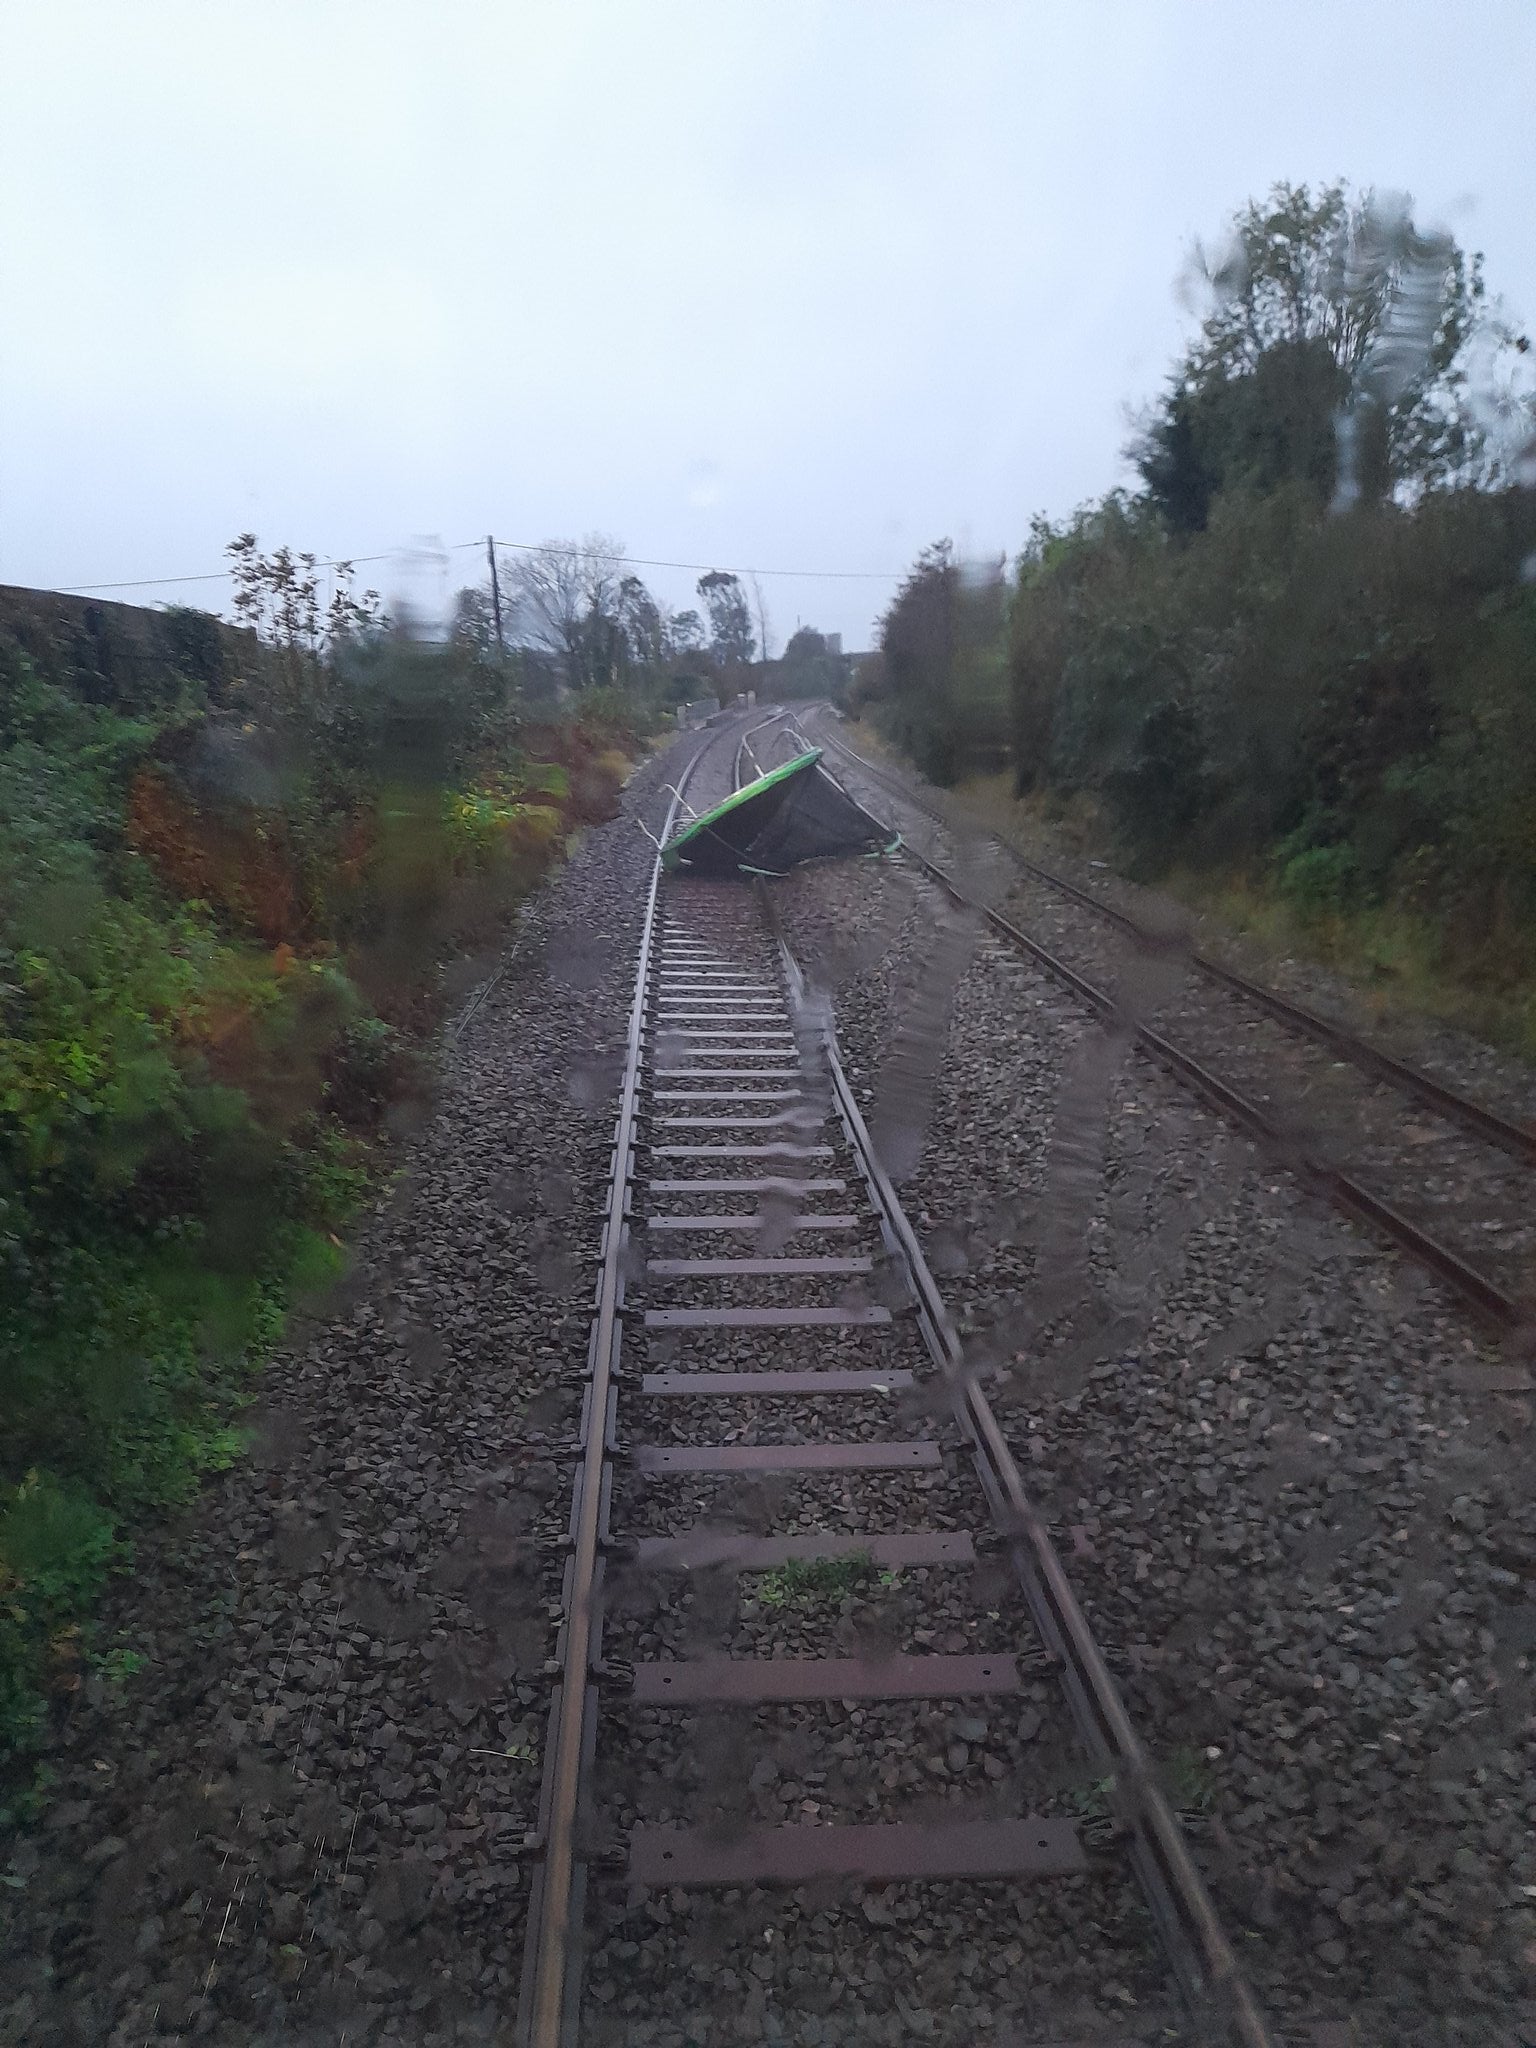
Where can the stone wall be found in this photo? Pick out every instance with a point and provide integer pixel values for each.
(120, 654)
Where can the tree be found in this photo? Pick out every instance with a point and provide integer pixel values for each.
(805, 645)
(944, 668)
(918, 637)
(731, 640)
(811, 666)
(277, 597)
(685, 634)
(565, 597)
(643, 624)
(1345, 349)
(473, 627)
(764, 625)
(1273, 425)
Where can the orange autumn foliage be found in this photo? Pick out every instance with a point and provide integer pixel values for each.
(238, 861)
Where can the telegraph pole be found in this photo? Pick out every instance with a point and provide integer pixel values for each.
(490, 556)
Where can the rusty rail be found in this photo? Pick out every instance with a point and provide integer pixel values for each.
(551, 1963)
(1201, 1955)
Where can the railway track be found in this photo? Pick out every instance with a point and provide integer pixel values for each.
(1406, 1179)
(777, 1413)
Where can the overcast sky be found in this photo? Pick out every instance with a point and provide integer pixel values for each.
(744, 282)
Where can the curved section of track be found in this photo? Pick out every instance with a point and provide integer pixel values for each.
(806, 1353)
(1497, 1303)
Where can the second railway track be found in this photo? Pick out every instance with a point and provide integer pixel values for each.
(801, 1558)
(1447, 1178)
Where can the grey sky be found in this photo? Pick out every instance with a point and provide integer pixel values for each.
(790, 284)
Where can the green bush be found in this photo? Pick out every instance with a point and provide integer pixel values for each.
(57, 1544)
(56, 1547)
(1321, 879)
(365, 1069)
(1351, 698)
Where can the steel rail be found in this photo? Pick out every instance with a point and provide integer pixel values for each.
(744, 747)
(1203, 1960)
(1446, 1101)
(549, 1999)
(1481, 1293)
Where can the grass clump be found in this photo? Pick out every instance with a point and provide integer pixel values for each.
(800, 1582)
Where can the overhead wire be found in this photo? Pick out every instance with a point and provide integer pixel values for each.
(223, 575)
(533, 547)
(527, 547)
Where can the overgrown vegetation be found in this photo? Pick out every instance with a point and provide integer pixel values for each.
(1302, 657)
(231, 864)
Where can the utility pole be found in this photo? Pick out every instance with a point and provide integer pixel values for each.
(490, 556)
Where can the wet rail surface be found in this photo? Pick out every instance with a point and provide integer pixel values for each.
(1455, 1194)
(766, 1327)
